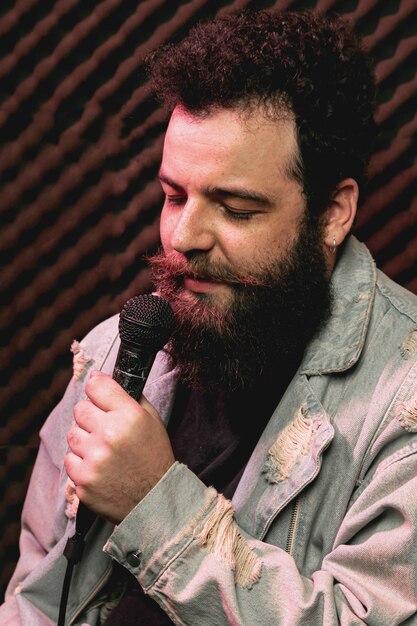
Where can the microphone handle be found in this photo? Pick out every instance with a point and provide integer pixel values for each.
(132, 368)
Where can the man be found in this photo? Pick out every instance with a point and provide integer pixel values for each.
(269, 475)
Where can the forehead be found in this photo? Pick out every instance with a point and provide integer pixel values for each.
(230, 143)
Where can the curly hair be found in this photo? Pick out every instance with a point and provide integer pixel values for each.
(309, 63)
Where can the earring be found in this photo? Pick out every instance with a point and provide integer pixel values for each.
(334, 246)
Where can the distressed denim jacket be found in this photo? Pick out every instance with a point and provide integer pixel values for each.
(322, 528)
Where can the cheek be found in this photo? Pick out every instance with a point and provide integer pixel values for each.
(248, 247)
(257, 252)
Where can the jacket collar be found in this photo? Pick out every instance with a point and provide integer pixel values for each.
(339, 343)
(161, 384)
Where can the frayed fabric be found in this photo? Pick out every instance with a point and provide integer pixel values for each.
(409, 346)
(80, 362)
(72, 499)
(220, 535)
(406, 414)
(292, 445)
(211, 496)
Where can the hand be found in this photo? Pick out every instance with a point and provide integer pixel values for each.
(119, 449)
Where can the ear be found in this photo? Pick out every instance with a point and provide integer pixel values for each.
(341, 213)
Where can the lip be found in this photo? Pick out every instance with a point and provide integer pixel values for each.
(201, 285)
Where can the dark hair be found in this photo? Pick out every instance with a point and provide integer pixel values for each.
(309, 63)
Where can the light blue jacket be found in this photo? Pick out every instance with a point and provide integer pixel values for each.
(323, 526)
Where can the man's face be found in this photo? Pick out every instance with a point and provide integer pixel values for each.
(238, 249)
(228, 196)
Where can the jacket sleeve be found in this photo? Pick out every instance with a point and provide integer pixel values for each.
(190, 555)
(41, 529)
(46, 511)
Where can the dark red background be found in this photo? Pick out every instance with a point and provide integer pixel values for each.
(80, 146)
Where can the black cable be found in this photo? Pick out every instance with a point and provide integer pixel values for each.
(64, 595)
(73, 552)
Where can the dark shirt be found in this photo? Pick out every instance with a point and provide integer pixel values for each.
(214, 435)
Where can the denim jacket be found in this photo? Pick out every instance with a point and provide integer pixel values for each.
(322, 528)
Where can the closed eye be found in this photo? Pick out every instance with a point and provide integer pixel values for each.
(175, 200)
(234, 214)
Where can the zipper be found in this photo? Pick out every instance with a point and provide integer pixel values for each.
(100, 584)
(293, 524)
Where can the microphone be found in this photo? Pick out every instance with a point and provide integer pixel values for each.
(145, 325)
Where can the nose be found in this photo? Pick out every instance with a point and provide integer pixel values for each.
(192, 227)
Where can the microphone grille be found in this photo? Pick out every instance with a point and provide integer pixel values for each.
(146, 321)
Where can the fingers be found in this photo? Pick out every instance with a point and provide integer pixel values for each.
(106, 393)
(86, 414)
(74, 467)
(78, 441)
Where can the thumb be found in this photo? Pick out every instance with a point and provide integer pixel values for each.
(105, 392)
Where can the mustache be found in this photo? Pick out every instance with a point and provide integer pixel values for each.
(198, 267)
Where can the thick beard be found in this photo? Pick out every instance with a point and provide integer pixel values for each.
(265, 326)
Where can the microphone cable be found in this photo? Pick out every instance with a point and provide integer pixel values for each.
(73, 552)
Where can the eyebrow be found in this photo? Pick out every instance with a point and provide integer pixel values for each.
(234, 192)
(169, 181)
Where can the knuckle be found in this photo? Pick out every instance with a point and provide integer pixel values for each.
(109, 442)
(96, 461)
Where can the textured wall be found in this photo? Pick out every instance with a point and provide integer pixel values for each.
(80, 147)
